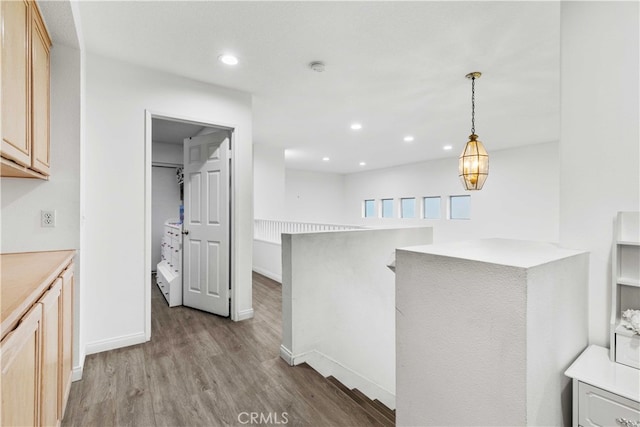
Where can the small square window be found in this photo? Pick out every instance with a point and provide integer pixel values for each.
(408, 208)
(369, 208)
(387, 208)
(432, 207)
(460, 207)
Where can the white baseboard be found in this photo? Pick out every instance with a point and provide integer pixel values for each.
(76, 373)
(269, 274)
(326, 366)
(286, 355)
(245, 314)
(117, 342)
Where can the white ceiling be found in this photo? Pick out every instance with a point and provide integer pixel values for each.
(396, 67)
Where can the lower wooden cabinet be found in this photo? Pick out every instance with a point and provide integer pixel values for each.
(20, 389)
(36, 355)
(50, 353)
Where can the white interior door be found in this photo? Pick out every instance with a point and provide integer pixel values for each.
(206, 243)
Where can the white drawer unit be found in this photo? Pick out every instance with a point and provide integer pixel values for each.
(605, 393)
(169, 270)
(601, 408)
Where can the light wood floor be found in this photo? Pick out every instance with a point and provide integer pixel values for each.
(203, 370)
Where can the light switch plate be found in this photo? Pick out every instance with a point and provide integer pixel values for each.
(48, 218)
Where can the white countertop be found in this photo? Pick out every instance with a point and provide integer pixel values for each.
(514, 253)
(595, 368)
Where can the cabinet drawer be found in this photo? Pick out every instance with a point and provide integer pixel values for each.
(601, 408)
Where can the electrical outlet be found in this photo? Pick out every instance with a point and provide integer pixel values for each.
(47, 218)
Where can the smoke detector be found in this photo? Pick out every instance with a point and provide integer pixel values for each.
(317, 66)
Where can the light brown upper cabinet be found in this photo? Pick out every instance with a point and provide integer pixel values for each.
(25, 149)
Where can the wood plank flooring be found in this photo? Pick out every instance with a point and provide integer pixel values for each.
(203, 370)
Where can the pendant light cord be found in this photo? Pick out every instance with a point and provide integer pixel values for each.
(473, 105)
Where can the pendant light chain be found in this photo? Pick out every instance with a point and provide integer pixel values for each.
(473, 163)
(473, 105)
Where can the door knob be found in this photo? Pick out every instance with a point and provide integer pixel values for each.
(185, 232)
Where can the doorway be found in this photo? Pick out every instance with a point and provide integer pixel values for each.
(166, 140)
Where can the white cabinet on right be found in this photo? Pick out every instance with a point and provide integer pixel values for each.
(605, 393)
(625, 289)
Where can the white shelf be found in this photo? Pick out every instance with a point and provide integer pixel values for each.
(621, 330)
(594, 367)
(627, 243)
(627, 281)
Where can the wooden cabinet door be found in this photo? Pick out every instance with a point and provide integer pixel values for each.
(50, 351)
(40, 83)
(66, 340)
(16, 144)
(20, 382)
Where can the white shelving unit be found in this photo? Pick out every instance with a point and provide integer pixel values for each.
(625, 267)
(606, 382)
(169, 271)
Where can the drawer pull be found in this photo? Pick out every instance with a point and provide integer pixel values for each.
(627, 423)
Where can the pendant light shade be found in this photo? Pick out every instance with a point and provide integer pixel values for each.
(473, 164)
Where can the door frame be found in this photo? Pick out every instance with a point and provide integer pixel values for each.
(149, 115)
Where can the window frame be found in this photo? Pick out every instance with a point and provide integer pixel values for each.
(424, 207)
(382, 207)
(402, 199)
(364, 208)
(459, 196)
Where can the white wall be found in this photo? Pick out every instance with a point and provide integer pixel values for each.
(22, 199)
(314, 197)
(267, 259)
(268, 182)
(599, 149)
(338, 304)
(518, 201)
(117, 96)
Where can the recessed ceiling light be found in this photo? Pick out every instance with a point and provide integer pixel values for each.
(408, 138)
(325, 159)
(228, 59)
(363, 164)
(317, 66)
(356, 126)
(447, 147)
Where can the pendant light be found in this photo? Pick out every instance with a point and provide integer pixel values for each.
(473, 165)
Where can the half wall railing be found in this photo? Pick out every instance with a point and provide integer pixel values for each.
(267, 252)
(269, 230)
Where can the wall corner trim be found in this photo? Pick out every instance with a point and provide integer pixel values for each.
(76, 374)
(286, 355)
